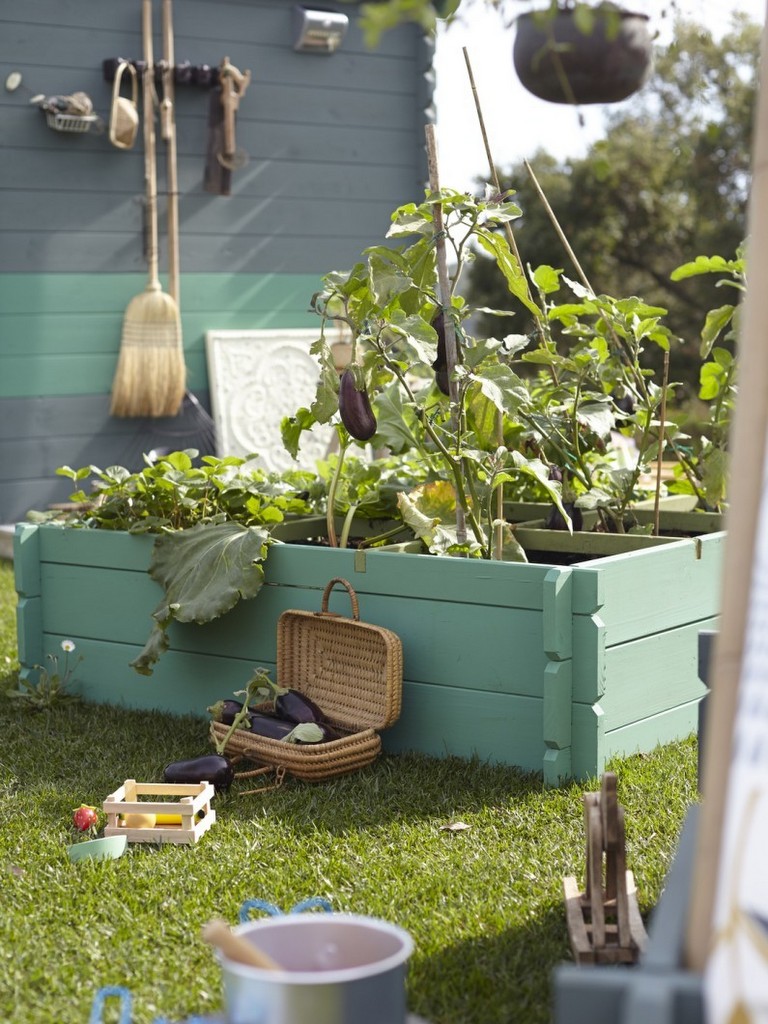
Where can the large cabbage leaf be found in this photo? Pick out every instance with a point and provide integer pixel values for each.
(204, 572)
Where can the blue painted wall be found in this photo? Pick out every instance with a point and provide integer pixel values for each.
(334, 144)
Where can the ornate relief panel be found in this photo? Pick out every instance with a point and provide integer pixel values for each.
(256, 378)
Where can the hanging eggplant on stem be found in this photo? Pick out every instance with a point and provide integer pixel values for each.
(354, 405)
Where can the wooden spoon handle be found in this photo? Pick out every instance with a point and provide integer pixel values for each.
(218, 933)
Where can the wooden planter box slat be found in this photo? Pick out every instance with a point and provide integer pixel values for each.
(550, 668)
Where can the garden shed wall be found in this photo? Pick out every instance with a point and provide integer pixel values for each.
(335, 142)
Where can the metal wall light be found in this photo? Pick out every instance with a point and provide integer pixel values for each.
(318, 31)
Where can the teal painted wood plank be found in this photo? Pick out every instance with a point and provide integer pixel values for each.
(557, 688)
(506, 584)
(556, 613)
(93, 334)
(588, 748)
(646, 735)
(556, 766)
(22, 294)
(494, 727)
(65, 374)
(183, 684)
(589, 673)
(101, 548)
(641, 683)
(26, 560)
(450, 643)
(646, 591)
(29, 630)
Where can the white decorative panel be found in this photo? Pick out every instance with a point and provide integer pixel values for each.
(256, 378)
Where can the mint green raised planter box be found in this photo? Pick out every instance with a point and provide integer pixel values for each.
(548, 668)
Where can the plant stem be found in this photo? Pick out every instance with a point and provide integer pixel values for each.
(332, 489)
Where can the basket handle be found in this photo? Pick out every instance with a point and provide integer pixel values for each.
(311, 903)
(352, 596)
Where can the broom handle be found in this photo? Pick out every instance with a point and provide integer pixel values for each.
(150, 172)
(173, 183)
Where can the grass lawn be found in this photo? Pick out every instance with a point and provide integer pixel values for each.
(484, 905)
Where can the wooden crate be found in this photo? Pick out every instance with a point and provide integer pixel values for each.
(191, 802)
(551, 668)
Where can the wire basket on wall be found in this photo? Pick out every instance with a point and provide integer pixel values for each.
(70, 122)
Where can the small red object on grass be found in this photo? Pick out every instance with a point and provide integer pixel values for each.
(85, 817)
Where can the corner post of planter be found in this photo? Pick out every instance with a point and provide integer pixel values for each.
(558, 675)
(29, 622)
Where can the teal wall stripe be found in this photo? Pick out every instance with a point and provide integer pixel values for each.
(60, 333)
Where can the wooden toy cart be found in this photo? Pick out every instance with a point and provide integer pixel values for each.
(604, 922)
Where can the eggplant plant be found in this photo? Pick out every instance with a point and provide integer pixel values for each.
(537, 407)
(389, 302)
(702, 460)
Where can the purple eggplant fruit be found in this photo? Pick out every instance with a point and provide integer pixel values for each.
(293, 705)
(213, 768)
(355, 406)
(274, 728)
(440, 365)
(225, 711)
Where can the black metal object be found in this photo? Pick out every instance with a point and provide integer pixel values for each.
(205, 76)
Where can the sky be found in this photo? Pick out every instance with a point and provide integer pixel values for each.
(516, 122)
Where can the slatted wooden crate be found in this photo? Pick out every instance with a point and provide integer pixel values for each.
(192, 804)
(550, 668)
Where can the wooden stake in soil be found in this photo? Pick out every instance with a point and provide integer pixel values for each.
(747, 440)
(150, 378)
(660, 454)
(444, 288)
(498, 533)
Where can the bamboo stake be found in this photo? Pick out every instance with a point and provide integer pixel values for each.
(498, 533)
(556, 225)
(748, 448)
(444, 288)
(662, 421)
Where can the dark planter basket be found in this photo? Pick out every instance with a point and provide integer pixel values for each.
(601, 67)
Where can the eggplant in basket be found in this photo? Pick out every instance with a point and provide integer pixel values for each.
(274, 728)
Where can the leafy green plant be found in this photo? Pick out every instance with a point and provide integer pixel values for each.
(213, 522)
(703, 461)
(539, 408)
(173, 493)
(390, 304)
(49, 690)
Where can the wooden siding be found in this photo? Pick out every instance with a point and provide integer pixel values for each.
(497, 662)
(335, 143)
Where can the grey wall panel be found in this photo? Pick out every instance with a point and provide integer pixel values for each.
(334, 143)
(39, 435)
(80, 252)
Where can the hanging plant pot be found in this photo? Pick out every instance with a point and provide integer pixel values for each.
(597, 55)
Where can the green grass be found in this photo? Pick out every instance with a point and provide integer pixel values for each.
(484, 905)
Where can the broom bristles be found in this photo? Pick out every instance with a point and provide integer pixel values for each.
(151, 375)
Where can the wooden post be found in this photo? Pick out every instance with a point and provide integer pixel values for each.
(748, 446)
(444, 292)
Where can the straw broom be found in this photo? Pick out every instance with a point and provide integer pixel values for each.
(150, 379)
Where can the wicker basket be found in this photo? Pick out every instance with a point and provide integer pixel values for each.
(353, 670)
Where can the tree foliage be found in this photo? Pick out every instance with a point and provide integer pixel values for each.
(668, 182)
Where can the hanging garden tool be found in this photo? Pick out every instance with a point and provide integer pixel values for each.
(223, 156)
(150, 378)
(233, 86)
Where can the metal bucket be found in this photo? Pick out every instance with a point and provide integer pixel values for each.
(339, 969)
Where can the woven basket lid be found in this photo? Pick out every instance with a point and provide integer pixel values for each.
(353, 670)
